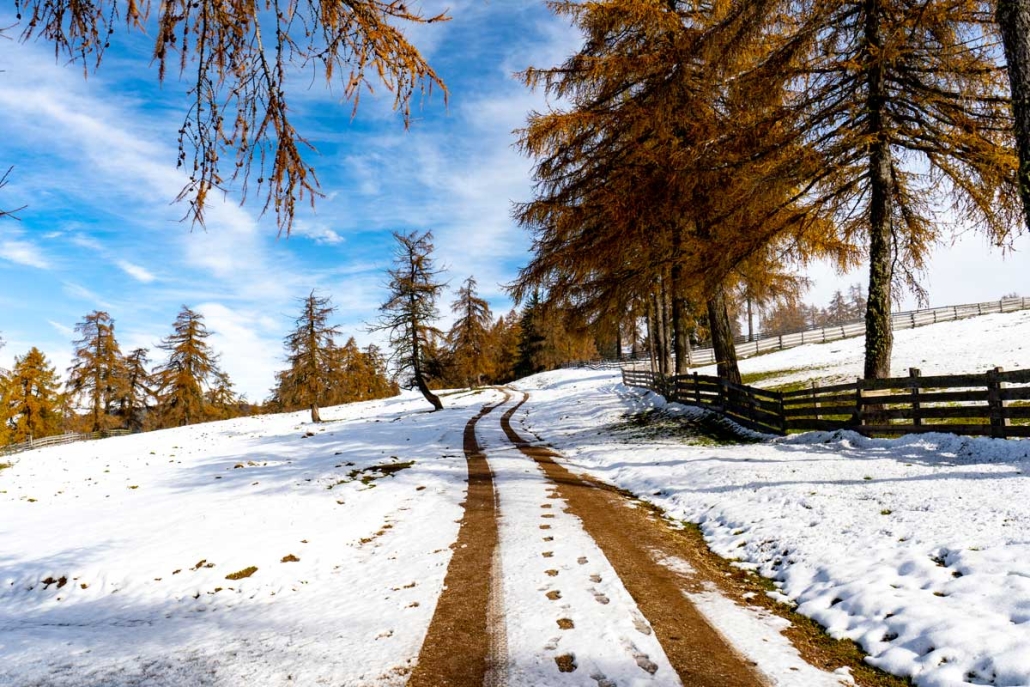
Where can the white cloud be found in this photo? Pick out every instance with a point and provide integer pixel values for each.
(62, 329)
(23, 253)
(136, 272)
(317, 232)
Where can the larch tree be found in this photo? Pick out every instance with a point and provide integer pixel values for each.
(97, 374)
(307, 382)
(409, 312)
(1013, 18)
(136, 389)
(900, 106)
(469, 336)
(651, 177)
(191, 366)
(241, 58)
(33, 397)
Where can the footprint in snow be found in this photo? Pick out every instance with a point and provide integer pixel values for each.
(643, 661)
(599, 597)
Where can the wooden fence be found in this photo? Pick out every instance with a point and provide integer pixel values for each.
(60, 439)
(902, 320)
(993, 404)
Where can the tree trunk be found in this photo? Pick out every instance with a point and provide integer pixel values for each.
(429, 395)
(722, 336)
(878, 336)
(679, 324)
(651, 335)
(315, 417)
(618, 339)
(750, 319)
(1013, 18)
(662, 347)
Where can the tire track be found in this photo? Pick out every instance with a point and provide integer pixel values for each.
(465, 646)
(632, 542)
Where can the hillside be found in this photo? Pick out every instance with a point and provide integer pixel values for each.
(271, 551)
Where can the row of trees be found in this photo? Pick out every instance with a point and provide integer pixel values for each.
(712, 148)
(106, 389)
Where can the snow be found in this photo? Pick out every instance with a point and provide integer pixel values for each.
(126, 521)
(916, 548)
(611, 641)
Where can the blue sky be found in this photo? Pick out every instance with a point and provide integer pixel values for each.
(95, 164)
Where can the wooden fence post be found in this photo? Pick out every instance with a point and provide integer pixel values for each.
(996, 404)
(697, 390)
(912, 316)
(815, 402)
(783, 413)
(859, 411)
(917, 418)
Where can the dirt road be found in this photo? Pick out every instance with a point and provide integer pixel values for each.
(466, 643)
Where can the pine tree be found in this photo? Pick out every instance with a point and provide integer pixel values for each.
(1013, 18)
(838, 312)
(97, 374)
(469, 337)
(190, 367)
(307, 382)
(242, 55)
(410, 310)
(32, 397)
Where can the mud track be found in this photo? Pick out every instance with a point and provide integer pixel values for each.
(634, 541)
(464, 646)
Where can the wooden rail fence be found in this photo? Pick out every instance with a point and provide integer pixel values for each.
(995, 404)
(59, 439)
(901, 320)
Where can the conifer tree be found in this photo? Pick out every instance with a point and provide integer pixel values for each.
(506, 335)
(191, 366)
(1013, 18)
(899, 109)
(136, 389)
(307, 382)
(33, 398)
(97, 374)
(239, 56)
(409, 312)
(469, 337)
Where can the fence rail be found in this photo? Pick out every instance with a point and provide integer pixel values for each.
(903, 320)
(995, 404)
(60, 439)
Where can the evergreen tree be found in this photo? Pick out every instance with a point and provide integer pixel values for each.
(469, 337)
(307, 382)
(97, 374)
(1013, 18)
(190, 367)
(839, 311)
(32, 398)
(410, 310)
(506, 335)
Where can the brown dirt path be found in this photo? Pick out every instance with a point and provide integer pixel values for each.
(462, 647)
(632, 540)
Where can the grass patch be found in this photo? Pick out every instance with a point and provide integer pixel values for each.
(370, 474)
(6, 465)
(650, 425)
(755, 378)
(240, 574)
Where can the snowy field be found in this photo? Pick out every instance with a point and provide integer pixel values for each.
(268, 551)
(138, 535)
(916, 548)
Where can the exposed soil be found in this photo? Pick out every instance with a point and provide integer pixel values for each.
(462, 647)
(632, 542)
